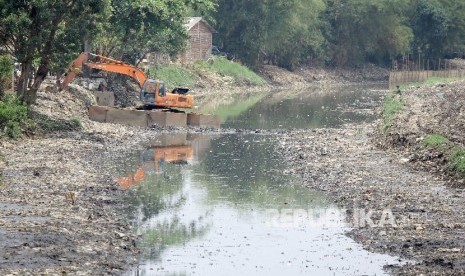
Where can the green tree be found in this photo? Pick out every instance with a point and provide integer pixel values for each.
(6, 67)
(358, 31)
(454, 41)
(430, 24)
(137, 27)
(295, 37)
(282, 32)
(39, 33)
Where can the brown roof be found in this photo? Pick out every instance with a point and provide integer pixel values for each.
(192, 21)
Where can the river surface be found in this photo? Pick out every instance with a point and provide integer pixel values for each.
(221, 204)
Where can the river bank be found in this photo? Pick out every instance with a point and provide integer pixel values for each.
(427, 129)
(394, 168)
(345, 164)
(59, 212)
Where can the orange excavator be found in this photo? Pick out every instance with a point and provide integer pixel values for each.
(152, 93)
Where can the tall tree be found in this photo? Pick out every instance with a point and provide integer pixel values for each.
(366, 30)
(293, 33)
(241, 25)
(137, 27)
(284, 32)
(455, 42)
(430, 24)
(39, 32)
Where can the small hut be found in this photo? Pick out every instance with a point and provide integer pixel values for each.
(200, 41)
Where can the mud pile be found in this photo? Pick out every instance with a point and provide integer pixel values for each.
(126, 91)
(70, 103)
(435, 109)
(58, 213)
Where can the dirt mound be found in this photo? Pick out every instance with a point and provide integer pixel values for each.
(305, 75)
(126, 91)
(436, 109)
(64, 105)
(280, 76)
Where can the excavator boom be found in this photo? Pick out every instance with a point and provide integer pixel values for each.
(152, 91)
(74, 70)
(105, 64)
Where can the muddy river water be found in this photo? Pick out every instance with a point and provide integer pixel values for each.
(220, 204)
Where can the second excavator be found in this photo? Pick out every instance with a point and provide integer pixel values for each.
(152, 92)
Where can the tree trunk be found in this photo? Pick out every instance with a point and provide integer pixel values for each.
(31, 95)
(26, 67)
(27, 95)
(140, 60)
(124, 41)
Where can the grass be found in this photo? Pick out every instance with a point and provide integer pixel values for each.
(75, 123)
(393, 104)
(240, 73)
(435, 141)
(178, 76)
(48, 125)
(458, 161)
(429, 81)
(456, 156)
(173, 76)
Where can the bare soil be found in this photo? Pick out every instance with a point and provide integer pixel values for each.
(305, 76)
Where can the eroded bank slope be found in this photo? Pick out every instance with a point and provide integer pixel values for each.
(428, 129)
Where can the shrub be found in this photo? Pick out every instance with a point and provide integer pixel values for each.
(458, 161)
(393, 104)
(435, 141)
(13, 116)
(6, 68)
(75, 123)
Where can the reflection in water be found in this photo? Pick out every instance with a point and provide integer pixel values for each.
(153, 159)
(309, 108)
(169, 232)
(246, 170)
(160, 193)
(231, 211)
